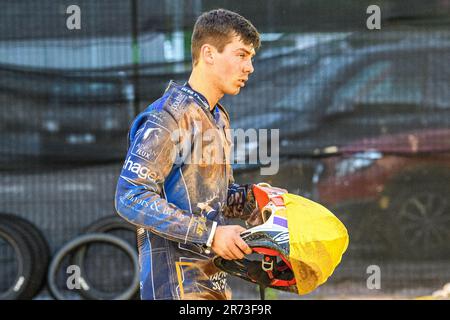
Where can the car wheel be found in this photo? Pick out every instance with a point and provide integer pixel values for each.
(420, 219)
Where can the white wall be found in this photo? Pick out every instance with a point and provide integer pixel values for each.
(82, 53)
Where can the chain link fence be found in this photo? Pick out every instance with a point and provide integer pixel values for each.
(363, 118)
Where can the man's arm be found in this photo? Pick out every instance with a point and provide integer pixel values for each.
(150, 158)
(241, 203)
(227, 241)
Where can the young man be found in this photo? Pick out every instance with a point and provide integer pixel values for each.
(176, 184)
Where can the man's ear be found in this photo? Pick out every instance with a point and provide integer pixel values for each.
(207, 53)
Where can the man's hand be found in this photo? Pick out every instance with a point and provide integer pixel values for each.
(228, 243)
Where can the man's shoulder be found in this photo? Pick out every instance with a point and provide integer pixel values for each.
(173, 104)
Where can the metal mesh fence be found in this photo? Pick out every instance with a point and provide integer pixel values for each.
(363, 118)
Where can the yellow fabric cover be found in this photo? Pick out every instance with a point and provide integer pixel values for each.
(317, 240)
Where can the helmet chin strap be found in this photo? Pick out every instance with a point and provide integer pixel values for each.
(261, 278)
(272, 270)
(269, 276)
(262, 292)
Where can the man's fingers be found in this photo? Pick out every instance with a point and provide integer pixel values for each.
(236, 252)
(228, 243)
(226, 254)
(243, 246)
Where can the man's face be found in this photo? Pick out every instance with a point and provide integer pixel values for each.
(232, 66)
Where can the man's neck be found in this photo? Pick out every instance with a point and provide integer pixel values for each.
(200, 84)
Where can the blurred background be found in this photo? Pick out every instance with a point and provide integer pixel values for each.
(364, 120)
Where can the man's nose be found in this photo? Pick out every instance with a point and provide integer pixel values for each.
(249, 67)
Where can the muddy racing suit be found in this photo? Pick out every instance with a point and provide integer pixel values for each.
(176, 186)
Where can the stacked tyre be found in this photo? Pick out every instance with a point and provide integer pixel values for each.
(75, 253)
(24, 258)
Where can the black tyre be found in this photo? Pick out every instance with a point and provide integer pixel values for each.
(104, 225)
(40, 248)
(14, 246)
(82, 241)
(110, 223)
(37, 264)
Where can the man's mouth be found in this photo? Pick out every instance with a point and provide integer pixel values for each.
(242, 82)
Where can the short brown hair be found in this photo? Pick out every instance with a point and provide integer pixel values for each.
(217, 27)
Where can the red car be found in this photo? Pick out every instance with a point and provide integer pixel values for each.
(398, 187)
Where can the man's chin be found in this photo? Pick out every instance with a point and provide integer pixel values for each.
(235, 91)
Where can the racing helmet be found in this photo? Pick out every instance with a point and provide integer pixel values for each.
(296, 248)
(269, 264)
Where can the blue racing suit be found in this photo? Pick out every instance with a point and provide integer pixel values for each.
(176, 186)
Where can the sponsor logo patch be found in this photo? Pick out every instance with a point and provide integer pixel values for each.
(282, 237)
(140, 170)
(146, 143)
(219, 281)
